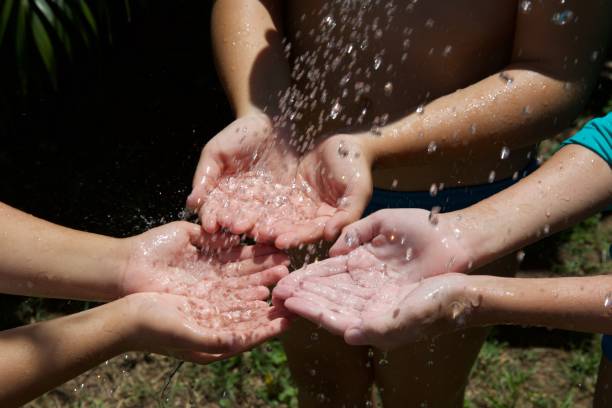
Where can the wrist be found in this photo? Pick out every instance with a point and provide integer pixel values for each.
(118, 322)
(124, 251)
(475, 238)
(127, 320)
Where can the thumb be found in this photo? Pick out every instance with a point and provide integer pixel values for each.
(356, 234)
(205, 178)
(352, 204)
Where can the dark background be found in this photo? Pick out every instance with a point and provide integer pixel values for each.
(114, 149)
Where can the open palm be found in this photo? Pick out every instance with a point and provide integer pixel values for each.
(337, 182)
(182, 259)
(378, 261)
(241, 172)
(198, 330)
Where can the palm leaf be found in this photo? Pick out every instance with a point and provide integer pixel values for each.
(7, 10)
(45, 46)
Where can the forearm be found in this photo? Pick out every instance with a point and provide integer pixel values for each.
(36, 358)
(247, 41)
(574, 183)
(494, 113)
(580, 304)
(38, 258)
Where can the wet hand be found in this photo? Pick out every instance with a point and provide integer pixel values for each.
(239, 170)
(197, 330)
(181, 258)
(376, 262)
(338, 179)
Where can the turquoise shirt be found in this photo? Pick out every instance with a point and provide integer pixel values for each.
(596, 136)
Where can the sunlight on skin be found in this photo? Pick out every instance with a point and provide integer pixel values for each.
(327, 189)
(210, 330)
(180, 258)
(377, 263)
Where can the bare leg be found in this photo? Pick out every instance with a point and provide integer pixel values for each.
(603, 391)
(327, 372)
(434, 373)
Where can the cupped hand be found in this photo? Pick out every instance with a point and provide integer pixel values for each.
(200, 331)
(239, 169)
(376, 261)
(337, 178)
(180, 258)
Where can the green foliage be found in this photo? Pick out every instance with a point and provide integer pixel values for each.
(42, 33)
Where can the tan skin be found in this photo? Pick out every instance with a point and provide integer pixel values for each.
(471, 112)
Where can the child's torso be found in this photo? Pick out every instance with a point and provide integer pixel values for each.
(366, 63)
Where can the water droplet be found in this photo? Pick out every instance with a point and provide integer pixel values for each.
(492, 176)
(608, 303)
(406, 44)
(377, 62)
(473, 129)
(314, 336)
(520, 255)
(409, 254)
(594, 56)
(447, 50)
(504, 76)
(349, 48)
(526, 110)
(505, 153)
(433, 215)
(429, 23)
(526, 6)
(388, 88)
(345, 79)
(420, 109)
(433, 190)
(378, 33)
(329, 22)
(335, 110)
(457, 233)
(563, 17)
(394, 183)
(312, 372)
(350, 239)
(370, 353)
(432, 147)
(546, 229)
(515, 175)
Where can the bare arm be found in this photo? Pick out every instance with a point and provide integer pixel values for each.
(579, 304)
(543, 88)
(39, 357)
(38, 258)
(573, 184)
(247, 40)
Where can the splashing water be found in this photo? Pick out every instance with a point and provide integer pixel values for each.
(526, 6)
(563, 17)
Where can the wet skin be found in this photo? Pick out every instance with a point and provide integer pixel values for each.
(469, 102)
(430, 50)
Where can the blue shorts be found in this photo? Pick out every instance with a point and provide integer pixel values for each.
(448, 199)
(606, 346)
